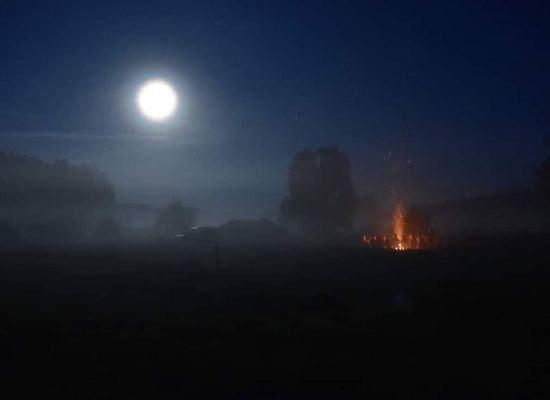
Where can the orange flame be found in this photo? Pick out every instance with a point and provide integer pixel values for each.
(400, 240)
(399, 226)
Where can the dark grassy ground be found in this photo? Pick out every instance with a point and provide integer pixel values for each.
(293, 322)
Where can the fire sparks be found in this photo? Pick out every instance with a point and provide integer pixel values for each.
(399, 227)
(401, 238)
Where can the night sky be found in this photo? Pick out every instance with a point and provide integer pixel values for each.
(435, 100)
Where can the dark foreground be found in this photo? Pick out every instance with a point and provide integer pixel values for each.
(289, 323)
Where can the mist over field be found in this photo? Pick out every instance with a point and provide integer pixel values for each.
(274, 200)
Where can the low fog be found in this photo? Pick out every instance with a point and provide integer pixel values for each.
(120, 190)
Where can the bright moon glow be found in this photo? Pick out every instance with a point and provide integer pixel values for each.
(157, 100)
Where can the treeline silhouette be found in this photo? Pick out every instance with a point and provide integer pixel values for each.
(55, 201)
(31, 182)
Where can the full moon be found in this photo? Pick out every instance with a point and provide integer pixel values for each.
(157, 100)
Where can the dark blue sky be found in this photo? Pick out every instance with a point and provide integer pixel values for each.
(458, 89)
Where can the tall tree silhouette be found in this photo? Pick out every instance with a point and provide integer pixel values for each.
(321, 196)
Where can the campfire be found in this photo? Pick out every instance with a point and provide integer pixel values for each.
(409, 232)
(399, 228)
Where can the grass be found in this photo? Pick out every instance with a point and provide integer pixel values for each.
(162, 321)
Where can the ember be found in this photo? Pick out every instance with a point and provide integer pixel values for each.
(399, 227)
(403, 237)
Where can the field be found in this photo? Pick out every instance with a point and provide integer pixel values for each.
(162, 321)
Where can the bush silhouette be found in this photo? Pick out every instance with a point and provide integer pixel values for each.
(175, 219)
